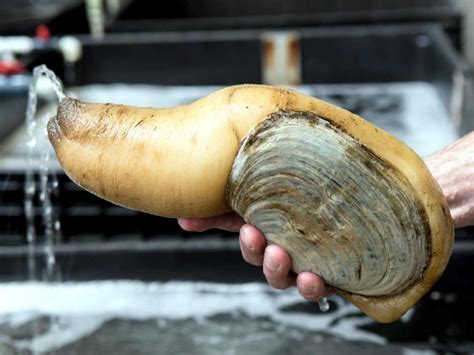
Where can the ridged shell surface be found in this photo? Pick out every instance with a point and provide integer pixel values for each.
(339, 210)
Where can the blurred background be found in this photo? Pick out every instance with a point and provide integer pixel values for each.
(82, 276)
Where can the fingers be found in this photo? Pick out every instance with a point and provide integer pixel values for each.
(277, 266)
(252, 244)
(229, 222)
(275, 260)
(312, 287)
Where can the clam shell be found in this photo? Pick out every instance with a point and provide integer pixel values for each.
(339, 210)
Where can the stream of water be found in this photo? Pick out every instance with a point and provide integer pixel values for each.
(40, 184)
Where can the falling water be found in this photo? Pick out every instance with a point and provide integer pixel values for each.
(323, 304)
(30, 191)
(47, 185)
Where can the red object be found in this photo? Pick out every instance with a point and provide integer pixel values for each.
(11, 67)
(42, 33)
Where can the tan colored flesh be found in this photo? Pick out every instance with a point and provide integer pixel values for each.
(176, 162)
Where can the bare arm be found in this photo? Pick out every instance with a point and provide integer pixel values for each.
(453, 169)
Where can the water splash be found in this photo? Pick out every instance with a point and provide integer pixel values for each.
(47, 185)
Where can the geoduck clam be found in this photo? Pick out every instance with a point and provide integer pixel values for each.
(347, 200)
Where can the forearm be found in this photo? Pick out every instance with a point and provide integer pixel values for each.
(453, 168)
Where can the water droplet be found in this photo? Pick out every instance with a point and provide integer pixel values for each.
(55, 183)
(30, 233)
(30, 189)
(323, 304)
(51, 260)
(47, 211)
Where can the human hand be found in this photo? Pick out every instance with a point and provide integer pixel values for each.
(275, 260)
(452, 167)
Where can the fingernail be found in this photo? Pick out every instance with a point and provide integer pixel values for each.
(270, 262)
(243, 239)
(305, 288)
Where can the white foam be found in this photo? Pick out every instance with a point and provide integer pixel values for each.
(83, 307)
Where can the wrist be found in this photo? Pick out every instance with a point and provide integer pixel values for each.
(453, 169)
